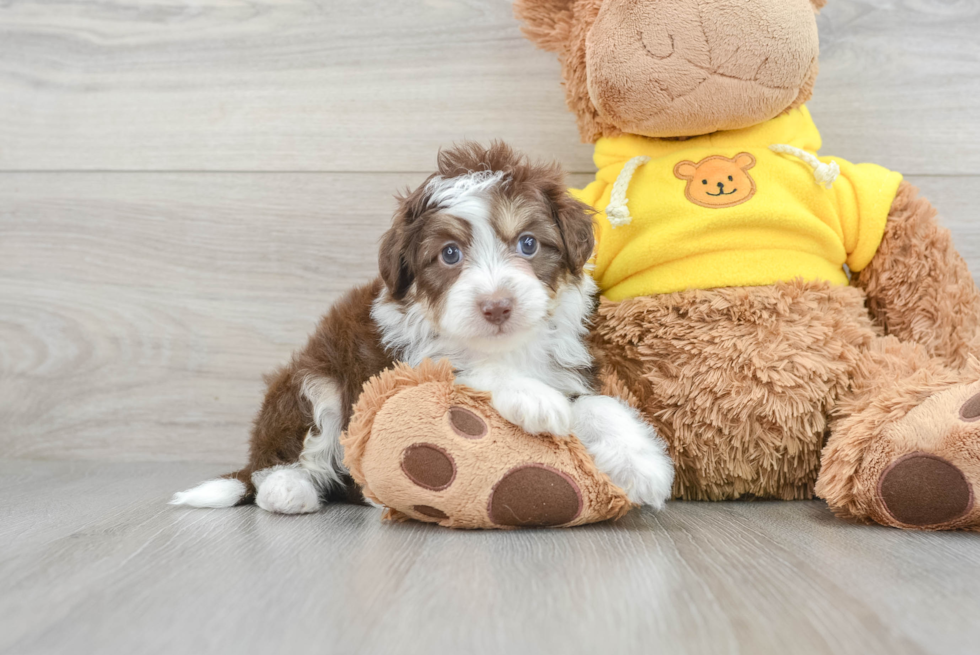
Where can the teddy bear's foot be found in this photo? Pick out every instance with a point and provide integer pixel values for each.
(924, 490)
(932, 487)
(920, 471)
(431, 450)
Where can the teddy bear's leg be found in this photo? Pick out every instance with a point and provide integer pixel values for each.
(904, 449)
(918, 286)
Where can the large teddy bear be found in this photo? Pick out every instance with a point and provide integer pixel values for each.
(792, 325)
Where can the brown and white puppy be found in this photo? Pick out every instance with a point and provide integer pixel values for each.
(483, 265)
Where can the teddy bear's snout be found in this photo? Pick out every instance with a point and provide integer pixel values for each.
(649, 63)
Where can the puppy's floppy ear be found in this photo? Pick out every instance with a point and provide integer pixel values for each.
(394, 256)
(573, 218)
(394, 267)
(547, 23)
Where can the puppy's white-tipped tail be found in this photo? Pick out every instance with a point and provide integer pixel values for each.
(223, 492)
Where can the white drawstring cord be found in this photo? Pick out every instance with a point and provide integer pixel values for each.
(616, 211)
(824, 174)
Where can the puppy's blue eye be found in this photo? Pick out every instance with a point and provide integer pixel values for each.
(451, 254)
(527, 245)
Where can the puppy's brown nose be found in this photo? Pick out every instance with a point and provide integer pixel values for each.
(496, 310)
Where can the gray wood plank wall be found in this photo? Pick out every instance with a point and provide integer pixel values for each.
(185, 187)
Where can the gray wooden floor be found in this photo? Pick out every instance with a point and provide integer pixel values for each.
(185, 185)
(97, 563)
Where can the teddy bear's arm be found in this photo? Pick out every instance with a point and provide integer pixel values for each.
(918, 286)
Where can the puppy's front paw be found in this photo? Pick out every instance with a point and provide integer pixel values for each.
(536, 408)
(649, 479)
(625, 448)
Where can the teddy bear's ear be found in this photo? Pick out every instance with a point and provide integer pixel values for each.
(547, 23)
(744, 160)
(685, 170)
(818, 4)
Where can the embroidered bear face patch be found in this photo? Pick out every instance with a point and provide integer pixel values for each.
(718, 181)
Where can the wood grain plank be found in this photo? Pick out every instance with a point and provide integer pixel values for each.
(138, 312)
(379, 86)
(94, 562)
(269, 85)
(899, 82)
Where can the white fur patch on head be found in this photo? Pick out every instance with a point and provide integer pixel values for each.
(456, 191)
(490, 270)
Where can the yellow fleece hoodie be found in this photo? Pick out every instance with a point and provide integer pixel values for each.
(726, 210)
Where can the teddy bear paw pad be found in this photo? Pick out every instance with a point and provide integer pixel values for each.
(428, 466)
(466, 423)
(925, 490)
(534, 495)
(970, 410)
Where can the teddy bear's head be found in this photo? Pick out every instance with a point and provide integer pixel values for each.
(674, 68)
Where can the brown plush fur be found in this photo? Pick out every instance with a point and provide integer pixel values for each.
(740, 382)
(902, 401)
(919, 288)
(746, 384)
(680, 73)
(404, 406)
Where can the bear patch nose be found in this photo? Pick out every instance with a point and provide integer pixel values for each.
(721, 185)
